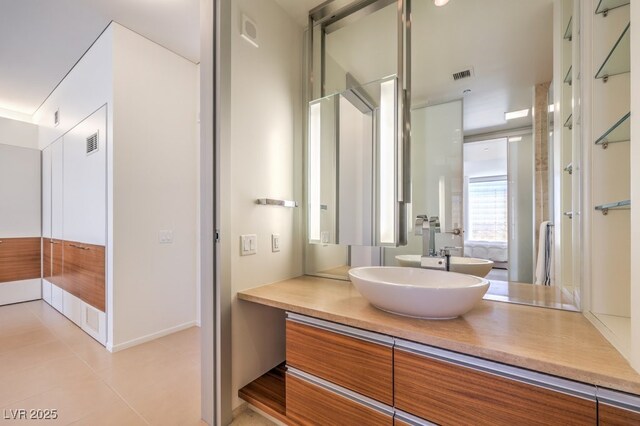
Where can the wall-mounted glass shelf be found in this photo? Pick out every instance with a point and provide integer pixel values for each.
(618, 61)
(604, 6)
(569, 77)
(619, 132)
(569, 122)
(568, 33)
(618, 205)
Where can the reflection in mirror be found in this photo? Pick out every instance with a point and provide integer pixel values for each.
(351, 164)
(491, 160)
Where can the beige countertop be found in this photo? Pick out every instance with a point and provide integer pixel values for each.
(551, 341)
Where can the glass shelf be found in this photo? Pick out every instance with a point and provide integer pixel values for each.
(569, 122)
(568, 33)
(604, 6)
(618, 205)
(619, 132)
(568, 78)
(619, 59)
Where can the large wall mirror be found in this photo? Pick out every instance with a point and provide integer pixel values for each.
(493, 166)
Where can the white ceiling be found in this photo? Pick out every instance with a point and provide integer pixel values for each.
(509, 44)
(40, 41)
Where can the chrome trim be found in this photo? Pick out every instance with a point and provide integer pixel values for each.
(339, 390)
(356, 333)
(335, 10)
(412, 420)
(557, 384)
(618, 399)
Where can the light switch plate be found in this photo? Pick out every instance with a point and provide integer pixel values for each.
(165, 237)
(275, 242)
(324, 237)
(248, 244)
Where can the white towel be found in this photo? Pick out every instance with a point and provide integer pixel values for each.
(544, 265)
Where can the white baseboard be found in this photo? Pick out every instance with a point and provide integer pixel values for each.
(149, 337)
(20, 291)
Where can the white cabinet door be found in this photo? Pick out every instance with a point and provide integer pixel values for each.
(57, 297)
(46, 193)
(57, 174)
(46, 291)
(85, 181)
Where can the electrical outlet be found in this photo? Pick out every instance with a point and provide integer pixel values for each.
(248, 244)
(275, 242)
(165, 237)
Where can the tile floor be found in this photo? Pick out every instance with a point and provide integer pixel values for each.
(46, 362)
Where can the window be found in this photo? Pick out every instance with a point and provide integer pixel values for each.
(488, 209)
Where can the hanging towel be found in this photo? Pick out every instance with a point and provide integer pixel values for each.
(544, 265)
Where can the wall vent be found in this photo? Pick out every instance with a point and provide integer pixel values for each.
(92, 143)
(463, 74)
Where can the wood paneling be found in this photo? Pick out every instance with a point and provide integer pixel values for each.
(308, 404)
(267, 393)
(83, 272)
(609, 415)
(19, 259)
(397, 422)
(358, 365)
(46, 258)
(449, 394)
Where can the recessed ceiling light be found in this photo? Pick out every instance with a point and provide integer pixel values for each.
(552, 108)
(516, 114)
(440, 2)
(466, 91)
(515, 138)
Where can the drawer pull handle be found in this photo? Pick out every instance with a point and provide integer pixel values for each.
(79, 247)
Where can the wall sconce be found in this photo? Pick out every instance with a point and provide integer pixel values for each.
(314, 158)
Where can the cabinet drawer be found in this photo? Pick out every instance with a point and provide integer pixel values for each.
(617, 408)
(448, 388)
(355, 359)
(311, 401)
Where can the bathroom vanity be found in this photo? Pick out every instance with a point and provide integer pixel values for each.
(350, 363)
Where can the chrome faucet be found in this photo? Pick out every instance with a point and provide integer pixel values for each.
(428, 228)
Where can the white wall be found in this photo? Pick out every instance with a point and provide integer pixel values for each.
(18, 133)
(264, 160)
(155, 172)
(19, 192)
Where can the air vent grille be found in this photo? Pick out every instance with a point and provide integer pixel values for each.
(92, 143)
(462, 74)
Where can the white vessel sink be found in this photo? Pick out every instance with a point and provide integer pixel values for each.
(463, 265)
(415, 292)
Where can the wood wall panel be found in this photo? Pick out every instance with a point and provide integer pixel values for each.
(83, 272)
(57, 259)
(609, 415)
(20, 259)
(449, 394)
(46, 258)
(308, 404)
(358, 365)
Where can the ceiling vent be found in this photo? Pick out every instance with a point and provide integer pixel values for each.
(92, 143)
(463, 74)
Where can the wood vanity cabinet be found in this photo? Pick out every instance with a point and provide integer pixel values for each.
(617, 408)
(313, 402)
(473, 391)
(354, 359)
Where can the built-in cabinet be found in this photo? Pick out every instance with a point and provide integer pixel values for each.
(607, 119)
(74, 224)
(337, 374)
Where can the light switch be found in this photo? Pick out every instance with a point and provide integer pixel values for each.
(275, 242)
(324, 237)
(165, 237)
(248, 244)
